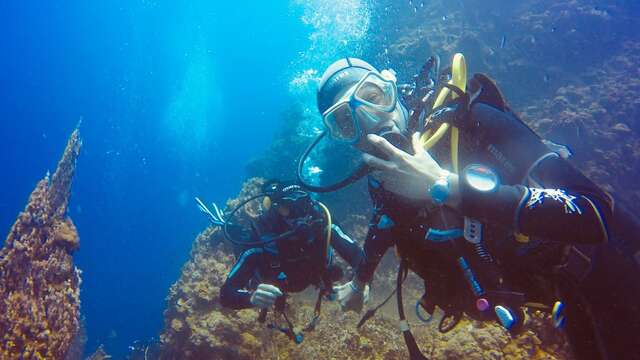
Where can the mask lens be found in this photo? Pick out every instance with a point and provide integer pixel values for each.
(376, 92)
(341, 123)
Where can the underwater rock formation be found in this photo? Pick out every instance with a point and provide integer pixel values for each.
(599, 119)
(197, 327)
(39, 285)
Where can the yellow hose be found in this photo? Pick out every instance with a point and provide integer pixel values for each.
(458, 79)
(455, 138)
(328, 215)
(428, 142)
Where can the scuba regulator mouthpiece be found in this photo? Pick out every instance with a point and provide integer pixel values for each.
(396, 139)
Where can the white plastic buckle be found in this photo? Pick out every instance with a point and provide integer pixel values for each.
(404, 325)
(472, 230)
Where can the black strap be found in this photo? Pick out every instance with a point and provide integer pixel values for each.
(369, 314)
(454, 112)
(357, 175)
(425, 101)
(316, 313)
(412, 346)
(322, 291)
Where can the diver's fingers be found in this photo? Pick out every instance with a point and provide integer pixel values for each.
(386, 147)
(379, 164)
(340, 291)
(418, 149)
(262, 300)
(264, 296)
(270, 289)
(365, 294)
(338, 288)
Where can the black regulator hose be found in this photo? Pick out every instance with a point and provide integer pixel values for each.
(237, 242)
(357, 175)
(412, 345)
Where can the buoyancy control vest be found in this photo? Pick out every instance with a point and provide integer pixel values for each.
(597, 277)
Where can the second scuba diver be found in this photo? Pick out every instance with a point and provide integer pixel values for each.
(286, 249)
(507, 223)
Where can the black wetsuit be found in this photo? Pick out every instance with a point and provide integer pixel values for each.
(561, 227)
(291, 263)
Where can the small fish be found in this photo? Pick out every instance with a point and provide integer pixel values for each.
(503, 41)
(546, 78)
(444, 18)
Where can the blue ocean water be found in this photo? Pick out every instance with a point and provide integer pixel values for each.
(175, 98)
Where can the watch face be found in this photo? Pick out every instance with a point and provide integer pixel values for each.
(481, 177)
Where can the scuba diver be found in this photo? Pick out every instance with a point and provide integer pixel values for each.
(494, 220)
(284, 250)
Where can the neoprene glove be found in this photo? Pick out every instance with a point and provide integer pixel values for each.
(265, 296)
(352, 295)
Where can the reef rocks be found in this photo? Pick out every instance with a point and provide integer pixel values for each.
(197, 327)
(39, 285)
(599, 118)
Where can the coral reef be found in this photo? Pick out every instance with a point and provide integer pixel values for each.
(39, 285)
(76, 349)
(196, 326)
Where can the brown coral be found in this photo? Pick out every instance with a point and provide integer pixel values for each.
(39, 286)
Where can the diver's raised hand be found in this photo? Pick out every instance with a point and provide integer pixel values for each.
(408, 175)
(265, 296)
(352, 295)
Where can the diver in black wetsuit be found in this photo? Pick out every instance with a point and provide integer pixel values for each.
(287, 249)
(511, 224)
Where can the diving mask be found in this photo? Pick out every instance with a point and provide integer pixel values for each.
(288, 201)
(373, 99)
